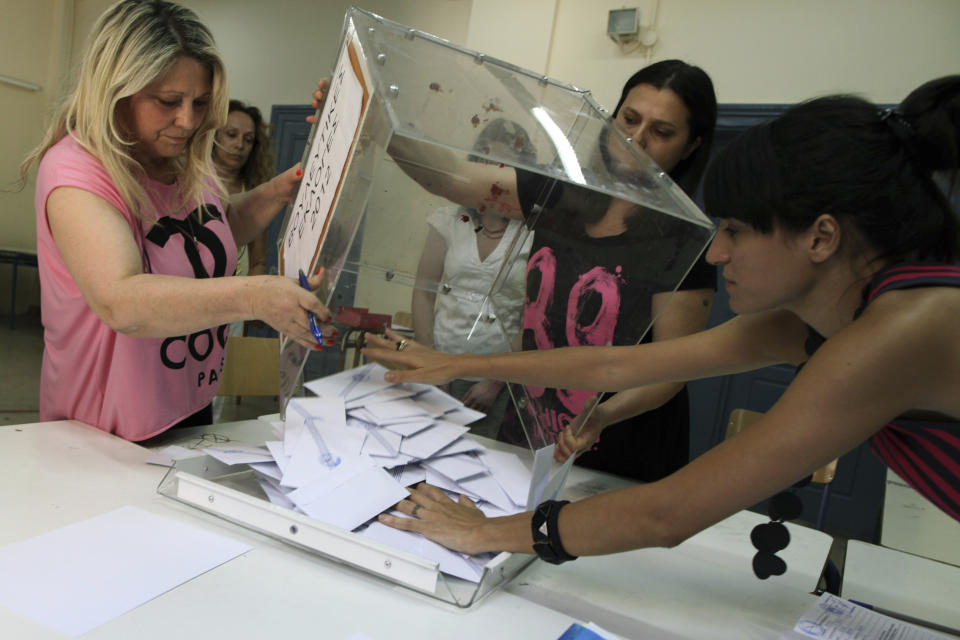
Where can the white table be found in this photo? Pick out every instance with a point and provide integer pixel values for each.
(903, 583)
(913, 524)
(703, 588)
(62, 472)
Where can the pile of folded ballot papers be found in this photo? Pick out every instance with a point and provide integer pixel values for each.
(348, 454)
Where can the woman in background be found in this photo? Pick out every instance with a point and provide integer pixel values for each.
(243, 157)
(465, 250)
(669, 110)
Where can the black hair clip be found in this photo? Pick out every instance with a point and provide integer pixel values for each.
(900, 127)
(773, 536)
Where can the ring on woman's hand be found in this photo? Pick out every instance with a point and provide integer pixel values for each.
(401, 345)
(416, 508)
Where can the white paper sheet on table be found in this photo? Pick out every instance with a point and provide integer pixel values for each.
(313, 473)
(452, 488)
(833, 617)
(309, 463)
(276, 495)
(350, 384)
(409, 428)
(268, 469)
(543, 485)
(463, 445)
(80, 576)
(432, 439)
(487, 487)
(409, 474)
(450, 562)
(557, 480)
(390, 462)
(458, 468)
(396, 411)
(510, 473)
(279, 456)
(167, 456)
(437, 402)
(348, 455)
(322, 410)
(361, 413)
(381, 442)
(350, 504)
(239, 455)
(395, 392)
(463, 415)
(542, 464)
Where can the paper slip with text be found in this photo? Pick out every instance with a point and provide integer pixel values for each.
(834, 618)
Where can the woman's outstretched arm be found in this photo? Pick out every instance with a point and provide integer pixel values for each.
(741, 344)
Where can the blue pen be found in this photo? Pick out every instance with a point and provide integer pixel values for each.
(314, 327)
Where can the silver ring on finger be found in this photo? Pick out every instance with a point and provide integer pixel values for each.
(401, 345)
(416, 509)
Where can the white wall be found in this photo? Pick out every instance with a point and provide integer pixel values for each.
(34, 47)
(768, 50)
(276, 51)
(518, 32)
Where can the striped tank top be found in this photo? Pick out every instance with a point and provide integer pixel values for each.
(925, 453)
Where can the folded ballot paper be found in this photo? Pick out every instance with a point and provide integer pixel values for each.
(348, 454)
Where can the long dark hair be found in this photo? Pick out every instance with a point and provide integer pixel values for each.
(694, 87)
(259, 165)
(870, 168)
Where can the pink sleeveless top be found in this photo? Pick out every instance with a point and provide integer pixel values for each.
(133, 387)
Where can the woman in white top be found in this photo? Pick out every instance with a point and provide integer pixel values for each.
(464, 252)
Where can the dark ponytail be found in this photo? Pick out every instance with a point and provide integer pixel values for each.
(933, 111)
(870, 168)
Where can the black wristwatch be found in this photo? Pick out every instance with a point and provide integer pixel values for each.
(546, 534)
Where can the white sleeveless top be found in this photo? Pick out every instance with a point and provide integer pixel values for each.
(461, 320)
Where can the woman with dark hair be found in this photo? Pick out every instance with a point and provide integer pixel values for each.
(670, 110)
(243, 158)
(838, 251)
(694, 88)
(467, 248)
(931, 108)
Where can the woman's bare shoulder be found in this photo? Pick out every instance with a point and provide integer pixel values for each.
(933, 308)
(913, 335)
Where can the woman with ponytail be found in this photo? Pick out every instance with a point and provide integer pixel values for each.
(839, 253)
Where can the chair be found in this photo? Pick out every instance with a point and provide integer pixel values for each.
(251, 368)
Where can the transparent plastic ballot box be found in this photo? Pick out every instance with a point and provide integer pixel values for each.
(422, 150)
(231, 492)
(422, 154)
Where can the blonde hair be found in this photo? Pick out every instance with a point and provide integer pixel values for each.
(134, 43)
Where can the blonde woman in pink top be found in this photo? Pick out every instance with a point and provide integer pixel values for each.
(136, 235)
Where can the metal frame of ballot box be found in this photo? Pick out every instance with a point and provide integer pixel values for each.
(232, 493)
